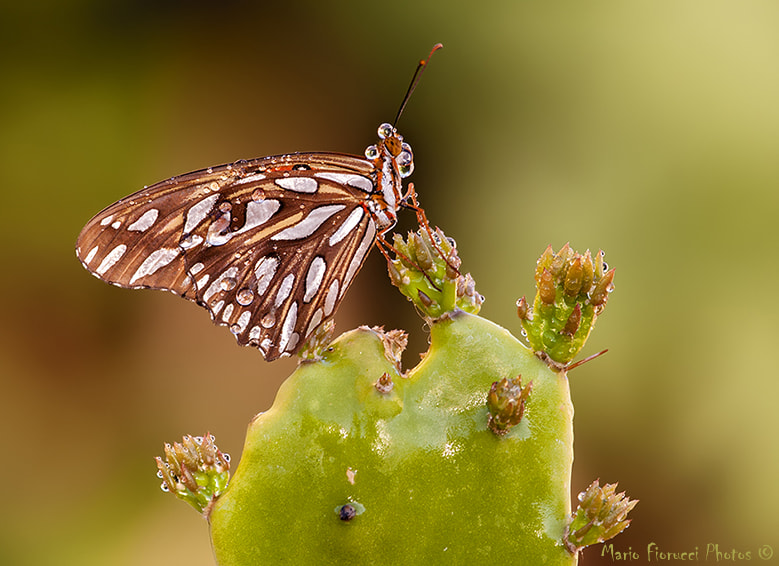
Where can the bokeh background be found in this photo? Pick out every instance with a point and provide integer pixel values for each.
(648, 129)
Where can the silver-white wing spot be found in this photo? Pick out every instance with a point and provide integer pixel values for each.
(227, 312)
(145, 222)
(314, 276)
(298, 184)
(91, 255)
(250, 179)
(215, 286)
(109, 260)
(242, 322)
(202, 282)
(315, 320)
(116, 224)
(331, 297)
(216, 308)
(258, 213)
(288, 339)
(356, 181)
(254, 333)
(198, 212)
(156, 260)
(107, 220)
(359, 255)
(264, 270)
(348, 225)
(197, 268)
(284, 289)
(309, 224)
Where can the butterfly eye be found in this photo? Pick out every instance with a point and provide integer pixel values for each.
(386, 130)
(372, 152)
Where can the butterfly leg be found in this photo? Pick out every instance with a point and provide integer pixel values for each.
(410, 201)
(385, 247)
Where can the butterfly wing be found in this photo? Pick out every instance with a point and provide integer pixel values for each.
(268, 246)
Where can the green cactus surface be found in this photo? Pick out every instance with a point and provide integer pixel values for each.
(430, 482)
(464, 459)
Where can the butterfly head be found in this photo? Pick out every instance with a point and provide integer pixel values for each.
(392, 148)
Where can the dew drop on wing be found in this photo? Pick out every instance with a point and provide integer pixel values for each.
(164, 487)
(258, 195)
(268, 320)
(235, 329)
(245, 296)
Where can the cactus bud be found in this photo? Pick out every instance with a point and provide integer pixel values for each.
(194, 470)
(506, 404)
(384, 384)
(425, 269)
(571, 292)
(601, 515)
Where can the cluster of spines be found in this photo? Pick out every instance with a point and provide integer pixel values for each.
(506, 404)
(426, 270)
(194, 470)
(600, 516)
(571, 291)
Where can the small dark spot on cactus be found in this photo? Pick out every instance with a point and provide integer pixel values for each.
(384, 384)
(347, 512)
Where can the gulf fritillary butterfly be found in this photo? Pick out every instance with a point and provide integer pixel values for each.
(268, 246)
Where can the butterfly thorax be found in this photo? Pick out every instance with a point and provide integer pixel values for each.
(393, 161)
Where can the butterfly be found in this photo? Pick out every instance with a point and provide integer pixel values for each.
(268, 246)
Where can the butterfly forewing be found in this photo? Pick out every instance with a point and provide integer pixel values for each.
(268, 246)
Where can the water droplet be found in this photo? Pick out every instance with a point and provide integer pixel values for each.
(235, 328)
(227, 283)
(258, 195)
(245, 297)
(372, 152)
(164, 487)
(226, 457)
(159, 474)
(268, 320)
(210, 170)
(225, 207)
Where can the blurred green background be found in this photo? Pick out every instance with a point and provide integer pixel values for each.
(648, 129)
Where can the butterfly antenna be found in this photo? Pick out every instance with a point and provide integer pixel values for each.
(414, 81)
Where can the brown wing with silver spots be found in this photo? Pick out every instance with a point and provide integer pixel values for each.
(268, 246)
